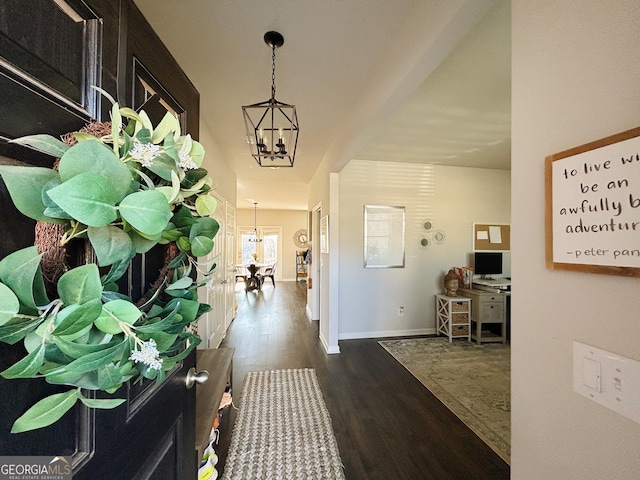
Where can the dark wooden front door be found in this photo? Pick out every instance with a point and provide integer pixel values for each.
(49, 57)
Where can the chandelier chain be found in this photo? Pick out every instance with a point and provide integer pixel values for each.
(273, 71)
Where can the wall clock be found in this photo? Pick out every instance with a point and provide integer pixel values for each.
(300, 238)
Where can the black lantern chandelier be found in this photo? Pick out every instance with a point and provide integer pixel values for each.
(255, 224)
(272, 126)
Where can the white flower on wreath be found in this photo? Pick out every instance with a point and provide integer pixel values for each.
(145, 153)
(148, 354)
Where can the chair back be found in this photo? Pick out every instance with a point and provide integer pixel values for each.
(269, 271)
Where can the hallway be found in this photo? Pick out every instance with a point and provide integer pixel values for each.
(387, 424)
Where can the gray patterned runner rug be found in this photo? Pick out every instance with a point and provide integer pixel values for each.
(472, 380)
(283, 430)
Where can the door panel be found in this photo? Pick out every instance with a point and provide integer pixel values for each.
(230, 286)
(213, 322)
(152, 435)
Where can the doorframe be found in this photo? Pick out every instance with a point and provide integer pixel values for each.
(313, 294)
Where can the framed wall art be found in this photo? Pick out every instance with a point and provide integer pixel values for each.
(383, 236)
(593, 206)
(324, 234)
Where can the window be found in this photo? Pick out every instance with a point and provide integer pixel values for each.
(266, 251)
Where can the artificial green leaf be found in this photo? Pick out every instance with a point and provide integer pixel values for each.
(102, 403)
(188, 308)
(205, 227)
(176, 262)
(77, 350)
(111, 244)
(171, 235)
(96, 157)
(116, 125)
(184, 282)
(43, 143)
(192, 177)
(201, 246)
(173, 192)
(88, 197)
(9, 304)
(17, 328)
(80, 285)
(104, 93)
(197, 153)
(183, 218)
(145, 123)
(88, 380)
(79, 334)
(168, 125)
(85, 137)
(156, 326)
(183, 244)
(28, 366)
(75, 318)
(47, 411)
(93, 361)
(140, 243)
(125, 311)
(25, 185)
(171, 361)
(51, 208)
(206, 205)
(163, 340)
(127, 112)
(117, 270)
(143, 135)
(20, 271)
(147, 211)
(163, 165)
(109, 377)
(115, 312)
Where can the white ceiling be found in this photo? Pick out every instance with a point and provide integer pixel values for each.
(420, 81)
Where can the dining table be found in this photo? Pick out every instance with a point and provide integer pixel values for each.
(252, 280)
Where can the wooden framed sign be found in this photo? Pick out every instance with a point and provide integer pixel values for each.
(593, 206)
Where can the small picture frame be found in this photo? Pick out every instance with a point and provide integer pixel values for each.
(324, 234)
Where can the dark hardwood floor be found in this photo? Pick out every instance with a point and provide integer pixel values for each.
(387, 424)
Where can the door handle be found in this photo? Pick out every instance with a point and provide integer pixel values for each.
(193, 377)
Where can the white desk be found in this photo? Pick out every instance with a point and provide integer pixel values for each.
(487, 308)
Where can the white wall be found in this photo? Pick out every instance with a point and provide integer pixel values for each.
(576, 79)
(290, 221)
(224, 180)
(452, 197)
(319, 195)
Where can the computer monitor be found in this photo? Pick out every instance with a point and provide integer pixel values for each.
(487, 264)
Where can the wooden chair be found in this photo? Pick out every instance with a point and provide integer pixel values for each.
(239, 273)
(270, 272)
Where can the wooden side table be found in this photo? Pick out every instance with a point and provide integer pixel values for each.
(452, 316)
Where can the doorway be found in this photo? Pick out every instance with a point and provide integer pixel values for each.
(267, 251)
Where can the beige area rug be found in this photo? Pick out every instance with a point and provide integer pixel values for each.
(472, 380)
(283, 430)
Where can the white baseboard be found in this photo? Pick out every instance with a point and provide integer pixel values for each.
(386, 333)
(327, 348)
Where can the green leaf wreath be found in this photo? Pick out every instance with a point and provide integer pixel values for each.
(124, 193)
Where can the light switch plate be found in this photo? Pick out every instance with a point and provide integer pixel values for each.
(608, 379)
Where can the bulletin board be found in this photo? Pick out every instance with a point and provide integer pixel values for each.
(593, 206)
(492, 236)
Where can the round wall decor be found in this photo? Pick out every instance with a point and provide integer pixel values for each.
(300, 238)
